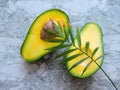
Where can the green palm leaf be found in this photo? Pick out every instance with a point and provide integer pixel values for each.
(65, 53)
(66, 33)
(56, 27)
(94, 51)
(52, 33)
(54, 40)
(71, 35)
(101, 56)
(59, 47)
(78, 63)
(87, 47)
(86, 67)
(78, 37)
(70, 58)
(59, 28)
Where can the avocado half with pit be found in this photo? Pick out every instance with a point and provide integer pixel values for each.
(34, 45)
(91, 33)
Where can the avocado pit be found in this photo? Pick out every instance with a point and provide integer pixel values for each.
(47, 26)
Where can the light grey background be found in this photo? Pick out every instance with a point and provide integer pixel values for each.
(16, 17)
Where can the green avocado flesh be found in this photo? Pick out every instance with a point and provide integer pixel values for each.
(91, 33)
(33, 47)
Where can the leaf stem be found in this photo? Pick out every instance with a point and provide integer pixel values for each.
(107, 76)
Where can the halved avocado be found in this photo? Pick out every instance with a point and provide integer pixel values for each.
(91, 33)
(34, 46)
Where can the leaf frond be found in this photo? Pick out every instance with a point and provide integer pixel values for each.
(86, 67)
(71, 35)
(94, 51)
(59, 28)
(56, 27)
(78, 63)
(69, 58)
(59, 47)
(65, 53)
(78, 37)
(87, 47)
(101, 56)
(66, 34)
(54, 40)
(52, 33)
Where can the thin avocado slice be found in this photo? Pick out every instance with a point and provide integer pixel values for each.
(91, 32)
(33, 47)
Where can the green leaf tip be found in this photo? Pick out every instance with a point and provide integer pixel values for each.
(78, 37)
(66, 32)
(71, 35)
(87, 47)
(59, 47)
(86, 67)
(94, 51)
(54, 40)
(65, 53)
(51, 32)
(78, 63)
(69, 58)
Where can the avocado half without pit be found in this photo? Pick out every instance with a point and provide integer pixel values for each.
(34, 45)
(91, 33)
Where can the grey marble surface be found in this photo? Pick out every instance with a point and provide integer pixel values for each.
(16, 17)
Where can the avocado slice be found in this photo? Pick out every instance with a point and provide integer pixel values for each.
(34, 45)
(91, 33)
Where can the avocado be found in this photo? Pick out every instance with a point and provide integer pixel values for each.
(91, 33)
(34, 45)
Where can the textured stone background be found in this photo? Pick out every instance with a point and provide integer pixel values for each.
(16, 17)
